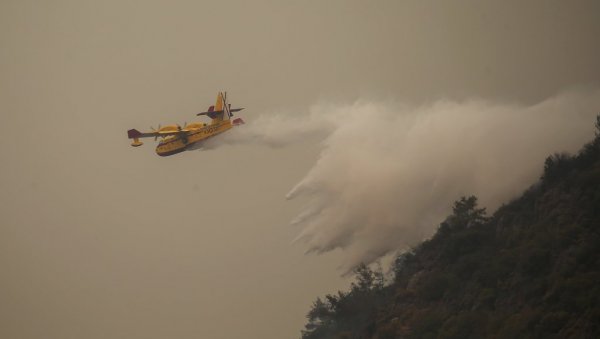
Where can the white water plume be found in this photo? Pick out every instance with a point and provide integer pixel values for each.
(388, 174)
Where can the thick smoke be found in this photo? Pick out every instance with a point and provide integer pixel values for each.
(388, 174)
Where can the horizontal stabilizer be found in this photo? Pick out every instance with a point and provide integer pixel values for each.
(209, 112)
(237, 122)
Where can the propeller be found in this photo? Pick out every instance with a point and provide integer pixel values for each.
(183, 134)
(156, 131)
(226, 107)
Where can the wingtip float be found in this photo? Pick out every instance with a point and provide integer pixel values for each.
(176, 139)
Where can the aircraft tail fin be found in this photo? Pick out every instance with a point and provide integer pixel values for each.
(219, 105)
(221, 110)
(216, 111)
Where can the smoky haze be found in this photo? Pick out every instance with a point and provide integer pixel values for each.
(98, 239)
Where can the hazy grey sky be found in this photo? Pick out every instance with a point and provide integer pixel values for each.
(98, 239)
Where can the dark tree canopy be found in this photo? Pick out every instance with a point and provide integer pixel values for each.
(531, 270)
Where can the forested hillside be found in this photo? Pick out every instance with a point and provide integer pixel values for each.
(530, 270)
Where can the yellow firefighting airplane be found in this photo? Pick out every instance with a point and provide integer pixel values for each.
(175, 139)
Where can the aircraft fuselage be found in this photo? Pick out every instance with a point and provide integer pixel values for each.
(178, 143)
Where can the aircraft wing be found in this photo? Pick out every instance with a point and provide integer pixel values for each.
(135, 134)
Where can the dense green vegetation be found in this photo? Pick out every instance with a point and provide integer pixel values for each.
(532, 270)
